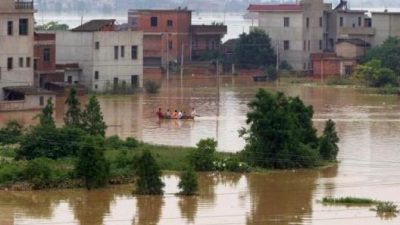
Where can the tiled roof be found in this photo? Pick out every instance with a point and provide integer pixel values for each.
(274, 7)
(209, 29)
(27, 90)
(94, 25)
(355, 41)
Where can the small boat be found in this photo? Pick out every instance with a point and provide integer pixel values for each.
(171, 118)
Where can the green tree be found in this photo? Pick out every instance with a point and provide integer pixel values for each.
(52, 26)
(375, 75)
(92, 118)
(92, 166)
(46, 117)
(388, 53)
(11, 133)
(73, 114)
(203, 158)
(149, 176)
(328, 148)
(188, 182)
(280, 134)
(254, 50)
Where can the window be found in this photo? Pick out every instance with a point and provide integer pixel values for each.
(134, 52)
(320, 22)
(309, 45)
(320, 44)
(359, 21)
(348, 70)
(304, 45)
(122, 51)
(23, 26)
(35, 64)
(96, 75)
(170, 45)
(115, 83)
(46, 55)
(97, 45)
(307, 22)
(10, 27)
(135, 81)
(95, 86)
(286, 22)
(28, 62)
(21, 62)
(170, 23)
(286, 45)
(69, 79)
(153, 21)
(115, 52)
(9, 63)
(41, 99)
(341, 22)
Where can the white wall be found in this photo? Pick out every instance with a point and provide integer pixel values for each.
(79, 47)
(386, 25)
(15, 46)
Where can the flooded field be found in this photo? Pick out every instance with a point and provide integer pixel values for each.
(368, 125)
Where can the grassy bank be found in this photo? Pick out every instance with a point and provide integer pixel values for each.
(17, 175)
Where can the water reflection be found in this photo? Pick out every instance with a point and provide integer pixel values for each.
(149, 210)
(188, 207)
(280, 198)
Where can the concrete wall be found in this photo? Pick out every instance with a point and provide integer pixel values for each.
(386, 25)
(15, 46)
(347, 50)
(31, 102)
(79, 47)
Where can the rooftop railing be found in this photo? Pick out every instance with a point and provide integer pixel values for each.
(24, 4)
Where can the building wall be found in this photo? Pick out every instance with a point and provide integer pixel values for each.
(15, 46)
(324, 68)
(178, 34)
(386, 25)
(80, 47)
(347, 50)
(42, 42)
(31, 102)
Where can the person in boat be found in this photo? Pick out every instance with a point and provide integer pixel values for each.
(184, 115)
(180, 115)
(160, 114)
(193, 113)
(175, 114)
(167, 114)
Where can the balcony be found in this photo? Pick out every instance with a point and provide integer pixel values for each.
(24, 4)
(356, 31)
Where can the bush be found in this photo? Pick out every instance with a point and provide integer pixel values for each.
(188, 182)
(11, 172)
(114, 142)
(149, 176)
(11, 133)
(131, 142)
(231, 164)
(49, 142)
(348, 200)
(386, 207)
(39, 172)
(202, 159)
(151, 87)
(284, 65)
(92, 166)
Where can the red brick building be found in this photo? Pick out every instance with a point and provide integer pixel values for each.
(45, 60)
(168, 33)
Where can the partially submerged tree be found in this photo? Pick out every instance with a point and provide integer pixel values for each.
(254, 50)
(188, 182)
(202, 159)
(388, 53)
(92, 118)
(52, 26)
(375, 75)
(11, 132)
(46, 117)
(280, 134)
(92, 166)
(73, 114)
(328, 148)
(149, 176)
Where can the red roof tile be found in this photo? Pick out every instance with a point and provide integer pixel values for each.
(274, 7)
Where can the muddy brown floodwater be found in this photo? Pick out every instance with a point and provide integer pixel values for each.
(368, 125)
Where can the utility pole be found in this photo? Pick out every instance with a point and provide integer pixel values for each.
(167, 57)
(182, 58)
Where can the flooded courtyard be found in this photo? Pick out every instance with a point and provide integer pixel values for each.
(368, 126)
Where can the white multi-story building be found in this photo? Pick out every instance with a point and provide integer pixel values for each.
(386, 24)
(109, 59)
(296, 30)
(16, 44)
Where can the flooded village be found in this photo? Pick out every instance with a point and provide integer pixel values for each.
(85, 144)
